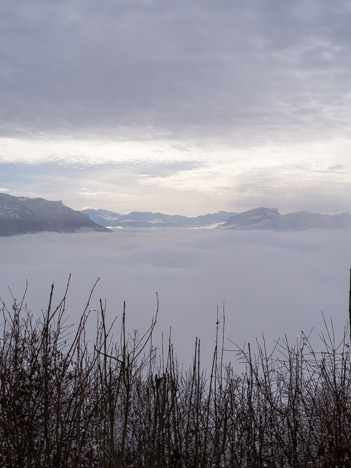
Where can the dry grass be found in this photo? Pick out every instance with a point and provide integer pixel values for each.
(64, 403)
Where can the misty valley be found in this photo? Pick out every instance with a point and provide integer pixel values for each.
(182, 390)
(175, 228)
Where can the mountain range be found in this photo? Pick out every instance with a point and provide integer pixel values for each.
(256, 219)
(21, 215)
(144, 219)
(271, 219)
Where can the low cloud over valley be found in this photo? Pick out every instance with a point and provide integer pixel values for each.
(271, 283)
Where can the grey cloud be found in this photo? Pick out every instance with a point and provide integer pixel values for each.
(336, 168)
(174, 68)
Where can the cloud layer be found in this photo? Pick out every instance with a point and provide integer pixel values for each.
(249, 101)
(175, 68)
(270, 283)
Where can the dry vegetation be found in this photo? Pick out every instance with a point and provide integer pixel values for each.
(65, 402)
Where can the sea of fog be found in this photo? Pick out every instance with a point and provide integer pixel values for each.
(268, 283)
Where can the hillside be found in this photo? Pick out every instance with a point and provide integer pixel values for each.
(271, 219)
(21, 215)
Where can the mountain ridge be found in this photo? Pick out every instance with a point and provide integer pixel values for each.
(144, 219)
(21, 215)
(256, 219)
(24, 215)
(270, 219)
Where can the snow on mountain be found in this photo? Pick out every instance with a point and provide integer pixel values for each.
(102, 217)
(271, 219)
(144, 219)
(258, 218)
(20, 215)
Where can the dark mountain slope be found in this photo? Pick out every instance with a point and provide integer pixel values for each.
(21, 215)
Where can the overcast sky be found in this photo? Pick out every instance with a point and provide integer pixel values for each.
(185, 106)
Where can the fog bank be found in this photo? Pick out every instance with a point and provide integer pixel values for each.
(270, 283)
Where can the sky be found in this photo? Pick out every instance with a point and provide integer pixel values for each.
(187, 106)
(272, 283)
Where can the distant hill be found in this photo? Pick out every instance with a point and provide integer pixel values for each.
(144, 219)
(21, 215)
(271, 219)
(256, 219)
